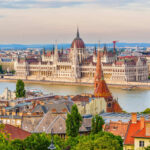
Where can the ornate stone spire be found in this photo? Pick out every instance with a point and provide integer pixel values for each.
(101, 89)
(78, 35)
(105, 49)
(56, 53)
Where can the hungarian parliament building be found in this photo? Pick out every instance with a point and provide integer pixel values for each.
(78, 65)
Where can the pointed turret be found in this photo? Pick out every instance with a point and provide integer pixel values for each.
(101, 89)
(44, 51)
(105, 49)
(56, 53)
(78, 35)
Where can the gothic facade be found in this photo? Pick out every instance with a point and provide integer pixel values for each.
(78, 65)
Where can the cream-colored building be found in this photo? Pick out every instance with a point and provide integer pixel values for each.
(77, 65)
(8, 95)
(12, 119)
(7, 64)
(95, 106)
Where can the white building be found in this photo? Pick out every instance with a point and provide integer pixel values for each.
(77, 65)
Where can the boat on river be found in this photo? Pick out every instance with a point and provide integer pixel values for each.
(129, 88)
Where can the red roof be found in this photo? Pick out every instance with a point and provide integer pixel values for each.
(15, 132)
(133, 131)
(78, 42)
(142, 132)
(117, 128)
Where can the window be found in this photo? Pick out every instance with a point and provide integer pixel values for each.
(141, 143)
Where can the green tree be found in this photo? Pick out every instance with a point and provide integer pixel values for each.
(37, 142)
(146, 111)
(17, 144)
(1, 69)
(147, 148)
(20, 90)
(100, 141)
(73, 122)
(41, 141)
(97, 124)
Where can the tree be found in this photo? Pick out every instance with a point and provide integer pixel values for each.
(20, 90)
(146, 111)
(17, 144)
(97, 124)
(100, 141)
(41, 141)
(73, 122)
(147, 148)
(1, 69)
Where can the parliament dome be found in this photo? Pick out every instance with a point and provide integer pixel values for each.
(78, 41)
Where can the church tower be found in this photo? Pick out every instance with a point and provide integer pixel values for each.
(100, 86)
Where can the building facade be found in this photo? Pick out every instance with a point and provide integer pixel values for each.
(78, 65)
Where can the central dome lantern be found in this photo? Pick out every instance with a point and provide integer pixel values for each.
(78, 41)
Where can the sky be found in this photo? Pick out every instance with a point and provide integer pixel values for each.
(45, 21)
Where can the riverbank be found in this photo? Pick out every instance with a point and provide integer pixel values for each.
(135, 85)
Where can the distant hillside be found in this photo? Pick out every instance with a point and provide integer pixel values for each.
(64, 46)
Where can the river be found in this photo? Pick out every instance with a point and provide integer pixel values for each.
(131, 101)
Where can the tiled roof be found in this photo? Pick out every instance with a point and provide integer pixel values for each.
(30, 122)
(81, 98)
(45, 122)
(57, 122)
(101, 88)
(132, 129)
(16, 133)
(142, 132)
(117, 128)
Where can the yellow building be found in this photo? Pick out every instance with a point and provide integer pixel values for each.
(12, 119)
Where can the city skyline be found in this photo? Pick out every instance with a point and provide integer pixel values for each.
(44, 21)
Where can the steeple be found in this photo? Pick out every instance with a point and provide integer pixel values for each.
(78, 35)
(101, 89)
(56, 53)
(105, 49)
(99, 73)
(44, 51)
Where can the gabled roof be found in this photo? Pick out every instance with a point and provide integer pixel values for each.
(30, 122)
(142, 133)
(58, 125)
(15, 132)
(57, 122)
(102, 90)
(132, 129)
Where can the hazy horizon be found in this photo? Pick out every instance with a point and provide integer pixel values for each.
(44, 21)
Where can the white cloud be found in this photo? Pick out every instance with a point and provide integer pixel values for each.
(104, 22)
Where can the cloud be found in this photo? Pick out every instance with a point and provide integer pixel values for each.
(24, 4)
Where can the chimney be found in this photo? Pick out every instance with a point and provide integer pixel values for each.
(134, 118)
(147, 128)
(142, 122)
